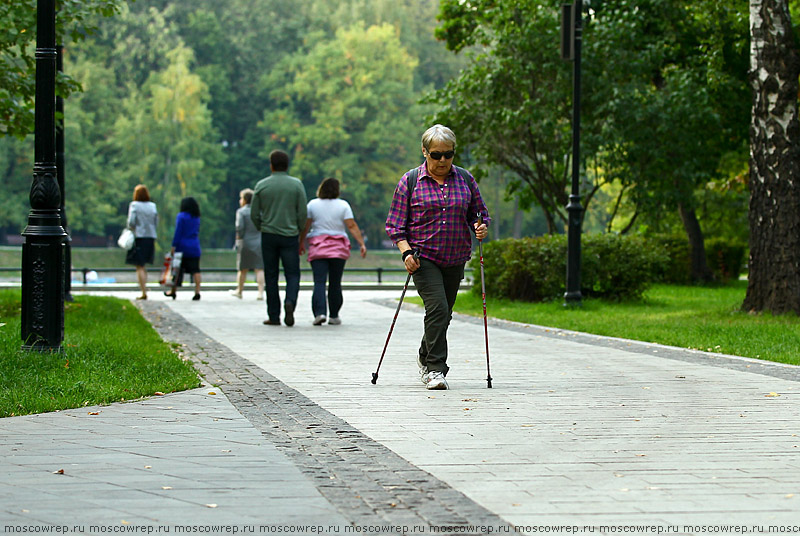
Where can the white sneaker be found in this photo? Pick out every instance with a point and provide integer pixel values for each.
(319, 320)
(423, 371)
(235, 294)
(334, 321)
(436, 380)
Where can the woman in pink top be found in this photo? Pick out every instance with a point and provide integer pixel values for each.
(329, 219)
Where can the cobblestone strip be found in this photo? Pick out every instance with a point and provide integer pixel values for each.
(732, 362)
(367, 482)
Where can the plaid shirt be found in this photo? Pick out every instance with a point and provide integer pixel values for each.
(442, 217)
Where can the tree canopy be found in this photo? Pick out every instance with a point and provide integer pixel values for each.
(76, 19)
(190, 97)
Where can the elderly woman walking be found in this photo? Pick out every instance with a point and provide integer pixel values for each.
(435, 208)
(248, 246)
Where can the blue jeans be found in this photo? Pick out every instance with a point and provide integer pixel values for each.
(438, 287)
(276, 248)
(329, 270)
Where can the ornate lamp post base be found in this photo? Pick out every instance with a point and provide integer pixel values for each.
(42, 282)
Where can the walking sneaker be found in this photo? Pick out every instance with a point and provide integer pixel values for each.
(436, 380)
(235, 294)
(423, 371)
(319, 320)
(334, 321)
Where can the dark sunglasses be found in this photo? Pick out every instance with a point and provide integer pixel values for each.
(438, 156)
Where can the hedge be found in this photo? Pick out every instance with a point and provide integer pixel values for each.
(534, 269)
(725, 258)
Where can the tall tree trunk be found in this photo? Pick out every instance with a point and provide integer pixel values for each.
(697, 248)
(774, 279)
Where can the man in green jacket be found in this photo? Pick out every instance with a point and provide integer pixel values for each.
(278, 210)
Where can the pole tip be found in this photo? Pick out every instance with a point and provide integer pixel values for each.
(374, 378)
(489, 382)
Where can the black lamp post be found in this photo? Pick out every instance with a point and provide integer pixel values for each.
(571, 37)
(60, 174)
(43, 250)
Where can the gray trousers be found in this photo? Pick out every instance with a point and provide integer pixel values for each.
(438, 287)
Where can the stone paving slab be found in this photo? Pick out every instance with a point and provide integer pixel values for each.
(578, 429)
(184, 459)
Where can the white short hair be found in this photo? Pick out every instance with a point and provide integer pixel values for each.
(438, 133)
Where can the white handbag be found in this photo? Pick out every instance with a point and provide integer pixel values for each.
(126, 240)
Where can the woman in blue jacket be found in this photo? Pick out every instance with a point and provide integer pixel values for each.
(186, 241)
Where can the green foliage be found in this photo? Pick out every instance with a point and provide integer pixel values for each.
(534, 269)
(175, 96)
(618, 267)
(511, 106)
(17, 61)
(528, 269)
(670, 92)
(675, 247)
(16, 173)
(166, 140)
(346, 110)
(725, 258)
(665, 97)
(124, 360)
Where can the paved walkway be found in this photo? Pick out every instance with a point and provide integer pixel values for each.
(578, 430)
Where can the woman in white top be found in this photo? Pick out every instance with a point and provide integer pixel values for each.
(329, 219)
(142, 220)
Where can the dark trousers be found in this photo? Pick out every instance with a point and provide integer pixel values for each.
(330, 271)
(276, 248)
(438, 287)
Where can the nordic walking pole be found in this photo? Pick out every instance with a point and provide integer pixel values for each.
(375, 374)
(483, 294)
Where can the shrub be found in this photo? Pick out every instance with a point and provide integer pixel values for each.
(534, 269)
(725, 258)
(677, 268)
(618, 267)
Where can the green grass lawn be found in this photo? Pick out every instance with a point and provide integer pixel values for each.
(704, 318)
(111, 354)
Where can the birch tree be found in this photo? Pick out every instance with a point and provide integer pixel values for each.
(774, 279)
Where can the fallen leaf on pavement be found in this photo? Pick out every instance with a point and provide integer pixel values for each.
(772, 395)
(59, 472)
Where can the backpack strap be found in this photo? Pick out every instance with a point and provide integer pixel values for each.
(413, 175)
